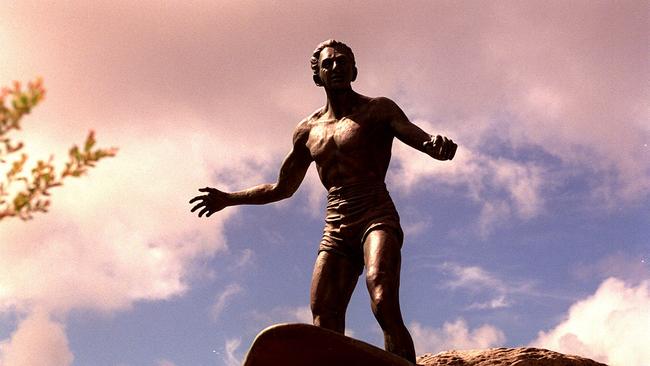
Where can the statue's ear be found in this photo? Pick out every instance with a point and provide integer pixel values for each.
(354, 74)
(317, 80)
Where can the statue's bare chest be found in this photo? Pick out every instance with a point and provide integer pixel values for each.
(346, 135)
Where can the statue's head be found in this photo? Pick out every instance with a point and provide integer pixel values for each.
(339, 47)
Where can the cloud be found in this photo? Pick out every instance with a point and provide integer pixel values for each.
(611, 326)
(301, 314)
(496, 303)
(109, 238)
(246, 259)
(231, 347)
(625, 266)
(221, 300)
(505, 188)
(562, 83)
(284, 314)
(454, 335)
(479, 281)
(472, 277)
(514, 80)
(123, 233)
(38, 340)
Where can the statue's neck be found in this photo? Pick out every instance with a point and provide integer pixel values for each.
(341, 102)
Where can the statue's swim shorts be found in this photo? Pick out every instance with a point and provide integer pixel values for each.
(353, 211)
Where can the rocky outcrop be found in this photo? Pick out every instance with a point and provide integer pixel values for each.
(504, 357)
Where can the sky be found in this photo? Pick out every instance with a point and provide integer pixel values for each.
(536, 234)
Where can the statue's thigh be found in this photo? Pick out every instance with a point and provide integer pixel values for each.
(382, 256)
(333, 280)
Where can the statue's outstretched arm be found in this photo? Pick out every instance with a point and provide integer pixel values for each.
(292, 172)
(439, 147)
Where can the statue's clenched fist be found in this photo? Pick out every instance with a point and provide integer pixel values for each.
(440, 147)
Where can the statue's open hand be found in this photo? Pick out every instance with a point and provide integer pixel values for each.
(210, 203)
(440, 148)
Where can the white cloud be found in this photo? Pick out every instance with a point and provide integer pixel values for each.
(622, 265)
(503, 187)
(231, 347)
(496, 303)
(300, 314)
(416, 227)
(283, 314)
(454, 335)
(221, 300)
(472, 277)
(38, 340)
(123, 233)
(611, 326)
(484, 283)
(246, 259)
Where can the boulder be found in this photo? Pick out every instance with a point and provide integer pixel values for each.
(504, 357)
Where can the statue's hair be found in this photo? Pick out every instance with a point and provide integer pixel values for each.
(340, 46)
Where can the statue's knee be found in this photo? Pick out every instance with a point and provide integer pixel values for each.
(380, 287)
(384, 301)
(380, 305)
(376, 278)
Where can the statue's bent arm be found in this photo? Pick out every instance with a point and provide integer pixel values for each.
(292, 172)
(438, 147)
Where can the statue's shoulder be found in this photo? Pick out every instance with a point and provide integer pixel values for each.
(301, 133)
(382, 109)
(382, 103)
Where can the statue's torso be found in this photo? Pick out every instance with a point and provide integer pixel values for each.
(356, 147)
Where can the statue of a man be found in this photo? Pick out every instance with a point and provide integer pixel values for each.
(350, 140)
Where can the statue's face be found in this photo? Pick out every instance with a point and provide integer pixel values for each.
(336, 69)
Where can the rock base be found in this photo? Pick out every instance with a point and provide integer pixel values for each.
(504, 357)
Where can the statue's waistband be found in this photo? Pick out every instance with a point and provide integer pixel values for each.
(357, 189)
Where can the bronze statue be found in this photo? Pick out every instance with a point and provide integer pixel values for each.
(350, 140)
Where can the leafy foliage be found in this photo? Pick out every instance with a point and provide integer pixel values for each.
(23, 194)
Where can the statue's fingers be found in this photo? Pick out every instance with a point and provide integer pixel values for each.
(439, 141)
(197, 198)
(204, 211)
(198, 206)
(447, 150)
(452, 151)
(210, 213)
(438, 145)
(206, 189)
